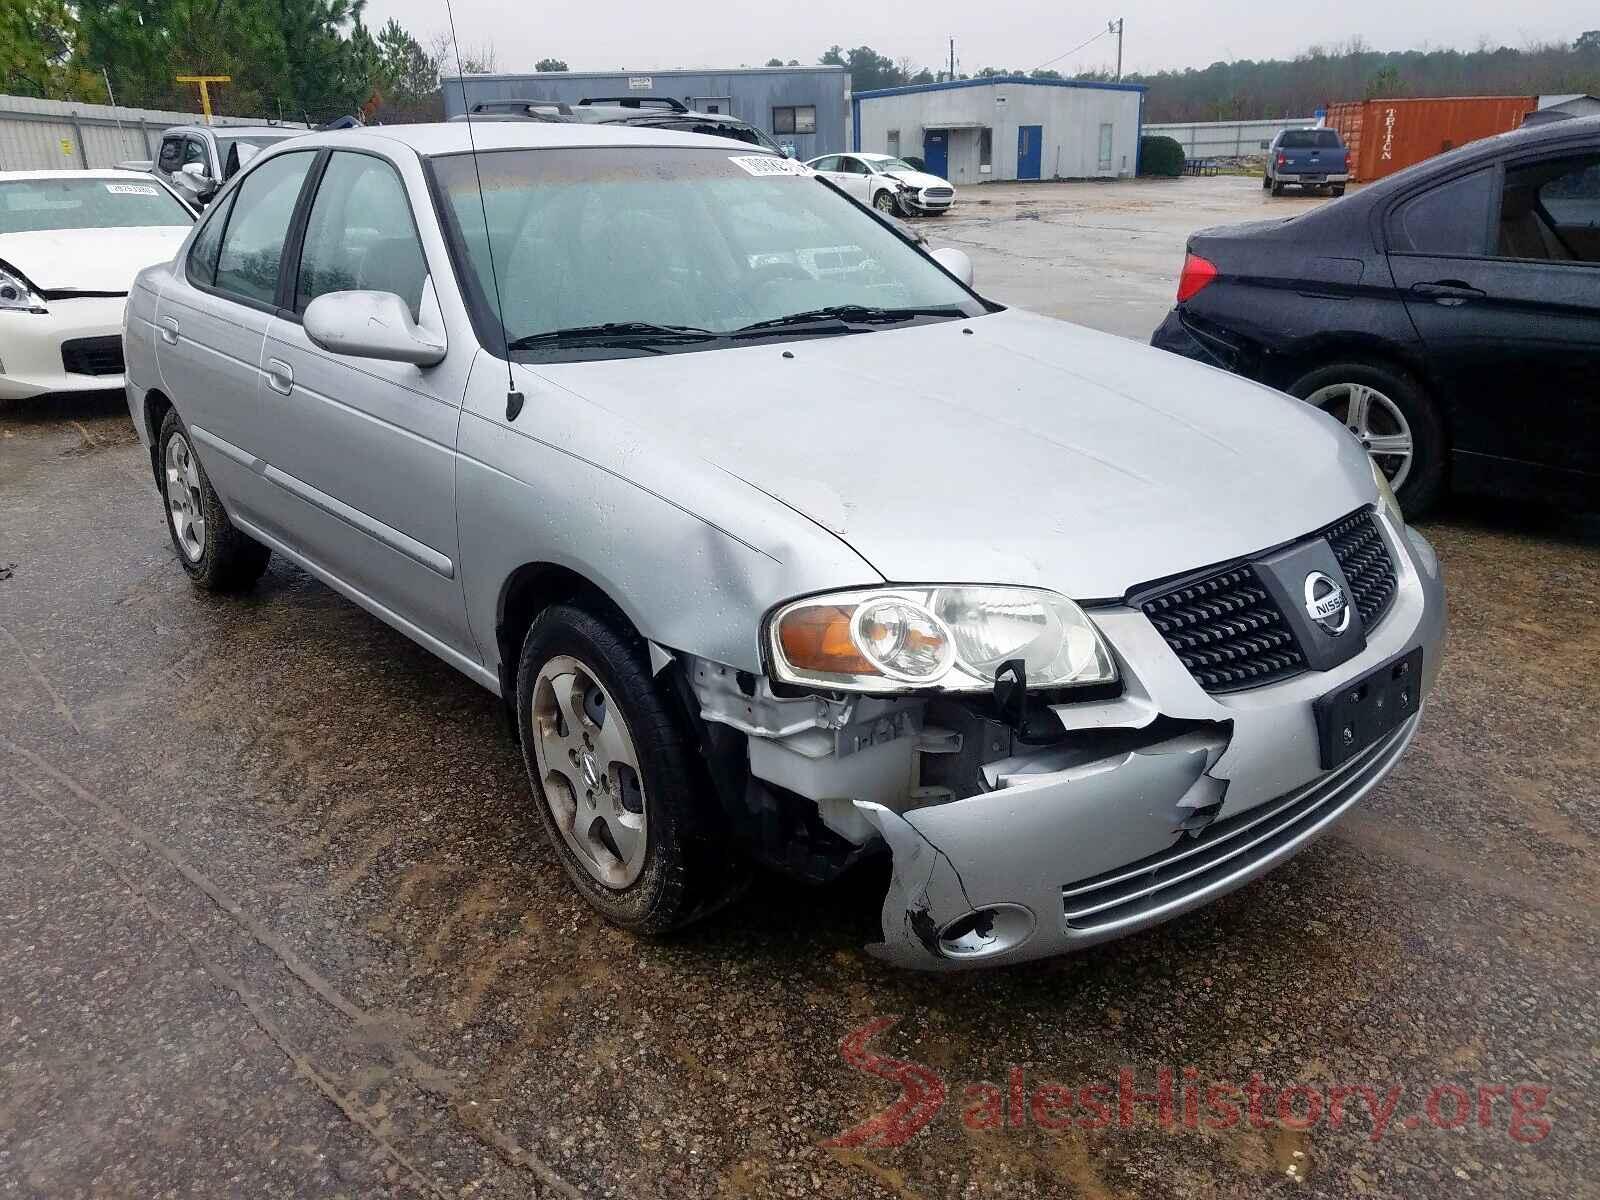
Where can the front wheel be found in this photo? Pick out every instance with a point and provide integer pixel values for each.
(1393, 418)
(885, 202)
(615, 786)
(216, 556)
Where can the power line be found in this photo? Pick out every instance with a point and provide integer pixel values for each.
(1074, 50)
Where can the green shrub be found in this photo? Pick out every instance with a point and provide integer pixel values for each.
(1160, 156)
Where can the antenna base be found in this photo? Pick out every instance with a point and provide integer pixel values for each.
(514, 402)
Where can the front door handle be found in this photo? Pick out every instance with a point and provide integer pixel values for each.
(280, 376)
(1452, 293)
(169, 330)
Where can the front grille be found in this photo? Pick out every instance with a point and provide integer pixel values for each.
(1227, 631)
(939, 193)
(92, 355)
(1215, 859)
(1365, 561)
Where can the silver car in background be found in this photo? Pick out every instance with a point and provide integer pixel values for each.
(780, 562)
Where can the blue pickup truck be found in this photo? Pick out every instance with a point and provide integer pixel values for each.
(1307, 158)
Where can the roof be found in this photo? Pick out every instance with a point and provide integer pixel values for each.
(992, 80)
(285, 131)
(107, 173)
(454, 137)
(623, 73)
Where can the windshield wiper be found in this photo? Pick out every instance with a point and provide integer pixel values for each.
(632, 333)
(858, 314)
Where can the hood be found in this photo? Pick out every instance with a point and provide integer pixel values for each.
(89, 260)
(918, 179)
(1029, 451)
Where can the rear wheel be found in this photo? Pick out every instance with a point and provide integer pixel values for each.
(1338, 189)
(1393, 418)
(1277, 189)
(216, 556)
(1266, 182)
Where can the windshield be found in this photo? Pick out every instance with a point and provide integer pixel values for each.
(711, 241)
(886, 163)
(259, 140)
(32, 205)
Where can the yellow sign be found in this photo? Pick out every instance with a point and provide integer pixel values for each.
(66, 147)
(205, 82)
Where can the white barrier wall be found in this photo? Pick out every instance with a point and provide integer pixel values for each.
(1226, 139)
(55, 135)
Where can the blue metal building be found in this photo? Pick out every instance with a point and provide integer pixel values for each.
(803, 107)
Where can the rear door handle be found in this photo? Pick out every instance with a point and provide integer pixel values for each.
(169, 330)
(1449, 292)
(280, 376)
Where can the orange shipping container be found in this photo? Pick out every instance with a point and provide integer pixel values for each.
(1386, 135)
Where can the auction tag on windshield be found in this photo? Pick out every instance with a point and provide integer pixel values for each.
(769, 164)
(132, 189)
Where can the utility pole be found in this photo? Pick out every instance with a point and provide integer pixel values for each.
(205, 82)
(1116, 28)
(952, 58)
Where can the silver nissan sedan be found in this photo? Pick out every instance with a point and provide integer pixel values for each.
(783, 544)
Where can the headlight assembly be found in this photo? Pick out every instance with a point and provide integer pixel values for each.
(953, 639)
(16, 296)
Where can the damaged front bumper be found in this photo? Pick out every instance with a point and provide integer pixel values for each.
(1153, 804)
(1054, 861)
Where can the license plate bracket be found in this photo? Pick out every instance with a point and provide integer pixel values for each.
(1368, 709)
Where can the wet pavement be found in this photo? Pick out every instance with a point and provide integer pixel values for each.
(1106, 255)
(276, 919)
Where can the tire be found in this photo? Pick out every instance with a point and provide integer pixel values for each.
(1338, 190)
(216, 556)
(1266, 182)
(1395, 404)
(885, 202)
(1277, 189)
(647, 852)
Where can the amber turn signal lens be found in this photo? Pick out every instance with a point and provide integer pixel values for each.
(817, 638)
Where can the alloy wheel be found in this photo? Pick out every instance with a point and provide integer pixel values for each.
(589, 769)
(183, 498)
(1376, 421)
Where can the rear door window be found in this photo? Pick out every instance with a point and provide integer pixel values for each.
(1451, 219)
(208, 243)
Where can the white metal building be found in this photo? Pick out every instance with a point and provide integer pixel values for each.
(1008, 127)
(1578, 104)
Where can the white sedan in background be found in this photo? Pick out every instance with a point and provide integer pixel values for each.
(70, 244)
(889, 184)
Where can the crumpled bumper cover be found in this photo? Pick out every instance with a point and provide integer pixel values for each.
(1058, 861)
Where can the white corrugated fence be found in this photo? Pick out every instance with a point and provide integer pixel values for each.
(46, 135)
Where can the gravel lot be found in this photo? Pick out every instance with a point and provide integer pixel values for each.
(276, 919)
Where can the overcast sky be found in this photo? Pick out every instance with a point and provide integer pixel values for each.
(1021, 34)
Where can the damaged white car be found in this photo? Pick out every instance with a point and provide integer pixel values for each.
(779, 561)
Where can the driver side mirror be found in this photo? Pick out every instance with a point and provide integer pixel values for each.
(956, 262)
(192, 178)
(371, 325)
